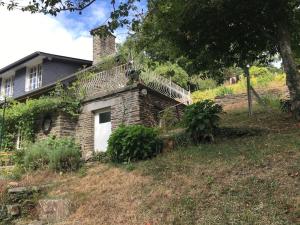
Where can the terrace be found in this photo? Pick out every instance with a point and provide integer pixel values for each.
(123, 75)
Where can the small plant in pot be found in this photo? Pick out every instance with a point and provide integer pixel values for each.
(202, 119)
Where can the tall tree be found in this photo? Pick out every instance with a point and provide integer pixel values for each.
(209, 33)
(218, 33)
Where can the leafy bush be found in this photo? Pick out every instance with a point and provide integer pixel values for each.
(64, 154)
(168, 118)
(201, 119)
(197, 83)
(60, 154)
(132, 143)
(222, 91)
(36, 155)
(264, 81)
(101, 157)
(175, 72)
(256, 71)
(19, 156)
(271, 100)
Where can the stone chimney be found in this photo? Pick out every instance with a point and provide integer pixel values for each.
(102, 46)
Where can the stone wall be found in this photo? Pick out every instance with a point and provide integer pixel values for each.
(128, 106)
(153, 104)
(62, 125)
(135, 104)
(125, 109)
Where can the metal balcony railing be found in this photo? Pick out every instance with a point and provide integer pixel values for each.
(118, 77)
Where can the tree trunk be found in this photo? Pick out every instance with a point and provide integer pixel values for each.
(290, 67)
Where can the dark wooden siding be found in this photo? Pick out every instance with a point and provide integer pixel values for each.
(19, 84)
(52, 71)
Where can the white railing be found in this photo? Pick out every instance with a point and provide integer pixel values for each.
(105, 81)
(118, 77)
(166, 87)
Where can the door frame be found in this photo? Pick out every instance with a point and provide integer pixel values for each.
(96, 114)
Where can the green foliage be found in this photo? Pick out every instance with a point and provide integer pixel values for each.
(18, 158)
(198, 83)
(271, 100)
(256, 71)
(132, 143)
(168, 118)
(201, 119)
(285, 105)
(16, 173)
(224, 90)
(64, 154)
(240, 87)
(182, 139)
(101, 157)
(22, 116)
(233, 71)
(175, 72)
(58, 154)
(36, 156)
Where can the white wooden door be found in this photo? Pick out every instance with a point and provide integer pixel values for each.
(102, 130)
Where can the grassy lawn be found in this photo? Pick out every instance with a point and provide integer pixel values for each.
(249, 177)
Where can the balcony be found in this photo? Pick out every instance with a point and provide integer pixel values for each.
(97, 83)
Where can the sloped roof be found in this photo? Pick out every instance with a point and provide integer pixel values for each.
(38, 53)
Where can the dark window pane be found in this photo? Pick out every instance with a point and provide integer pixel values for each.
(104, 117)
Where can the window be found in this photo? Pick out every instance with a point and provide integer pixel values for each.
(34, 77)
(104, 117)
(8, 86)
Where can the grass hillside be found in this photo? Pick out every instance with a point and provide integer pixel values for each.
(267, 81)
(249, 176)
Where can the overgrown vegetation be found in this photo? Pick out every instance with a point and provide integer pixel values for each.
(244, 177)
(202, 119)
(57, 154)
(21, 117)
(259, 81)
(133, 143)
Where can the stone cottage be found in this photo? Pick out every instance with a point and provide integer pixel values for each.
(112, 97)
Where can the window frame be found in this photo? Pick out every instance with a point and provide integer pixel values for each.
(106, 115)
(4, 86)
(34, 77)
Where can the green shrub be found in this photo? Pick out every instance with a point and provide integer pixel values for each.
(197, 83)
(201, 120)
(64, 154)
(18, 157)
(271, 100)
(132, 143)
(101, 157)
(36, 155)
(223, 90)
(264, 81)
(59, 154)
(168, 118)
(256, 71)
(175, 72)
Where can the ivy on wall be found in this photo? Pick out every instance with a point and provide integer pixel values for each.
(21, 117)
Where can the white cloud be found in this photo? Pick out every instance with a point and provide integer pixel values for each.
(24, 33)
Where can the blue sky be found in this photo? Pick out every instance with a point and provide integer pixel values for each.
(97, 14)
(67, 34)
